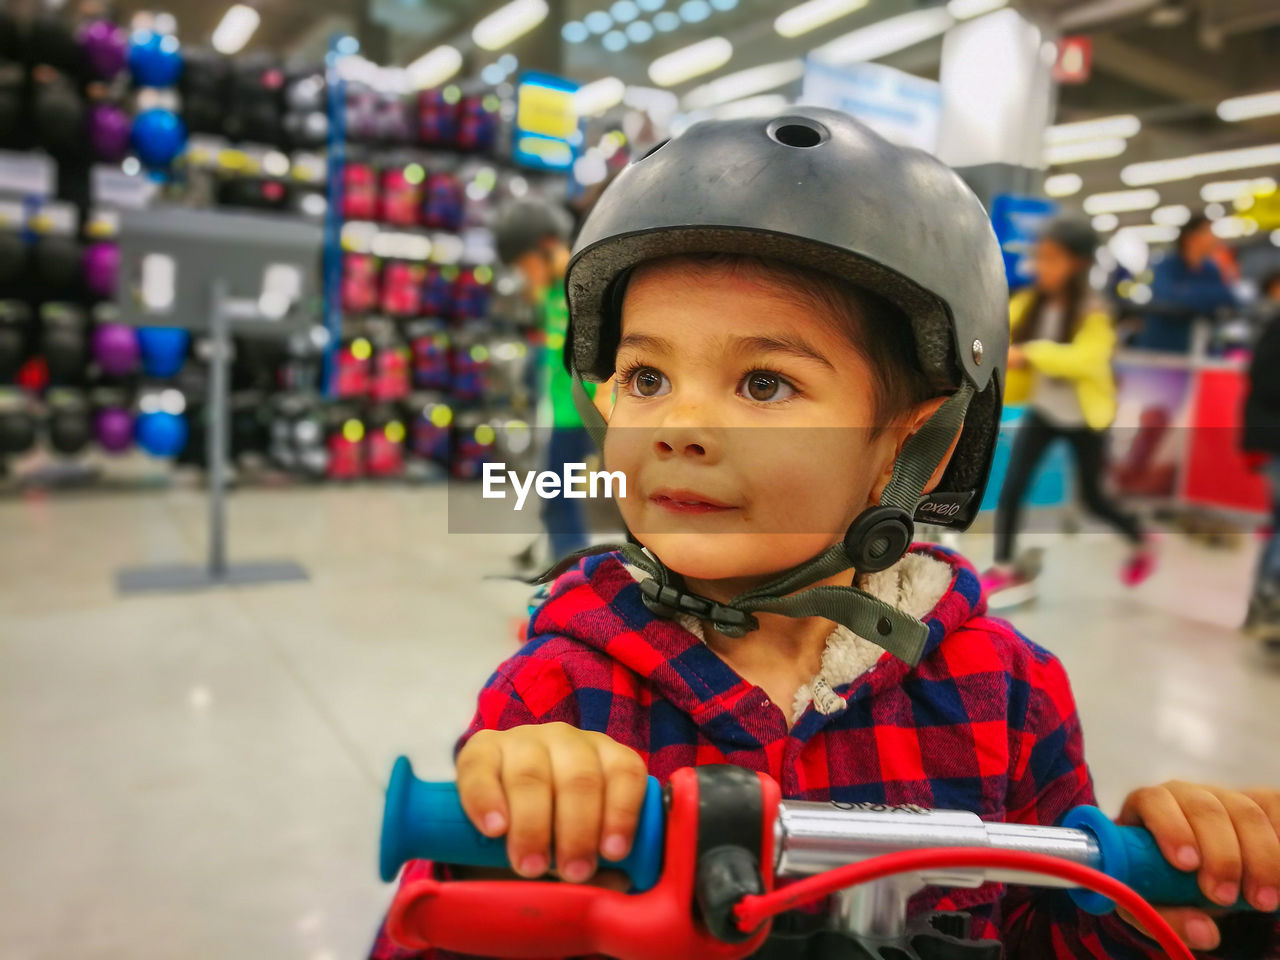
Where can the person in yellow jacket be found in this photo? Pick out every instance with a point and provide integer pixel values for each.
(1061, 343)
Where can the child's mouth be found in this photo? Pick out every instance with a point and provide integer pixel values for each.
(687, 501)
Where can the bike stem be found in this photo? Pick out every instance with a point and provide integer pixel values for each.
(812, 838)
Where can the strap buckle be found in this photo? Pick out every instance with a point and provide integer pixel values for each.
(667, 601)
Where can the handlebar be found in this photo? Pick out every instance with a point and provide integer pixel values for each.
(425, 821)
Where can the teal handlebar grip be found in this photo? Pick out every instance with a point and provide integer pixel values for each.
(425, 821)
(1130, 855)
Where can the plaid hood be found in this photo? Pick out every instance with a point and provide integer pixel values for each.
(930, 583)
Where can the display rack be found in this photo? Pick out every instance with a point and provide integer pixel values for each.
(216, 272)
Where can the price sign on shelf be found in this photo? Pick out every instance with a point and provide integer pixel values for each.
(26, 174)
(54, 219)
(545, 106)
(111, 187)
(12, 216)
(546, 128)
(1075, 60)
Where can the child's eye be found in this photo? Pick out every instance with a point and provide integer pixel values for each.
(649, 382)
(766, 387)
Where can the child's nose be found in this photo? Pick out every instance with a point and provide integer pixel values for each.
(669, 445)
(685, 430)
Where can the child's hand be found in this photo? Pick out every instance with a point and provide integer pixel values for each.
(1232, 838)
(536, 781)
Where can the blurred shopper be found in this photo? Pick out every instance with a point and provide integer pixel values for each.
(1186, 285)
(1262, 439)
(533, 235)
(1060, 367)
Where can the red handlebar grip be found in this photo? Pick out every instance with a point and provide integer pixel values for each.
(503, 918)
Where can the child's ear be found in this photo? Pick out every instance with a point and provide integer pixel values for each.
(903, 432)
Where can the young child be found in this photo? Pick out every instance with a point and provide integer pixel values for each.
(1060, 366)
(532, 235)
(806, 327)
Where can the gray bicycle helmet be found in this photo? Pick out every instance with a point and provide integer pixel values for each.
(816, 188)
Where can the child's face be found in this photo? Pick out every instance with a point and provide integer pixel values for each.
(742, 422)
(1054, 267)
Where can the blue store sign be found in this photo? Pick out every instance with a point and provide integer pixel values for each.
(1018, 221)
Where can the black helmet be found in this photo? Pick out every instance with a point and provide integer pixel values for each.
(1074, 235)
(816, 188)
(523, 224)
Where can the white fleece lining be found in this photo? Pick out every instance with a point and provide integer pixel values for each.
(913, 585)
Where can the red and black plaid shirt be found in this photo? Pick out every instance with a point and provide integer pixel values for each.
(986, 722)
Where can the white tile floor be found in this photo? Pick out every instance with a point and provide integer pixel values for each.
(200, 776)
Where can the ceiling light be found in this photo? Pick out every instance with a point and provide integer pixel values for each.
(1121, 201)
(724, 6)
(598, 96)
(1130, 251)
(1150, 233)
(614, 41)
(691, 61)
(1105, 221)
(598, 22)
(1215, 211)
(744, 83)
(1200, 164)
(1275, 238)
(694, 11)
(1232, 228)
(590, 168)
(1122, 125)
(1246, 108)
(574, 32)
(750, 107)
(650, 6)
(1167, 13)
(659, 104)
(1223, 191)
(434, 67)
(639, 32)
(508, 23)
(809, 16)
(1174, 215)
(1063, 184)
(886, 37)
(235, 29)
(968, 9)
(624, 11)
(1061, 153)
(1140, 293)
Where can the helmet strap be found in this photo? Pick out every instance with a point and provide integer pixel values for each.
(592, 419)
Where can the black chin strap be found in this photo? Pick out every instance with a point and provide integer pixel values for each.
(867, 616)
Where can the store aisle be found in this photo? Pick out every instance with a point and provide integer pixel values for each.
(200, 776)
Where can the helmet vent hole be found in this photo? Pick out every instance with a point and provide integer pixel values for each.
(797, 135)
(654, 149)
